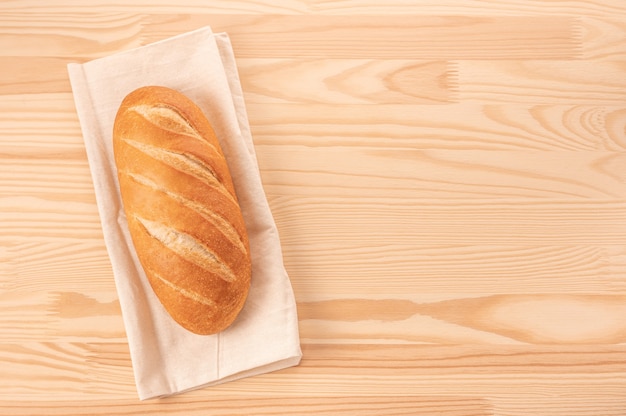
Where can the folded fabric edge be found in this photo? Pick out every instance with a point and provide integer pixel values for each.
(268, 368)
(134, 49)
(230, 65)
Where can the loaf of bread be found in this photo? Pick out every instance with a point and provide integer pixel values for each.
(183, 215)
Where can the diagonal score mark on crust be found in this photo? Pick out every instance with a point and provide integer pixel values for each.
(187, 247)
(169, 119)
(187, 293)
(224, 226)
(183, 162)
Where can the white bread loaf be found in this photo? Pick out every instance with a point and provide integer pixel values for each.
(183, 215)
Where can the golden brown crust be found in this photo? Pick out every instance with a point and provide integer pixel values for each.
(182, 211)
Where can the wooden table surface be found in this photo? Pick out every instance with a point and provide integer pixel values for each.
(448, 179)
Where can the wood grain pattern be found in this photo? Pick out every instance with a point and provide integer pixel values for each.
(448, 179)
(585, 82)
(371, 405)
(345, 81)
(394, 37)
(323, 7)
(472, 126)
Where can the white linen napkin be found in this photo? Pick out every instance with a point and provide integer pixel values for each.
(166, 358)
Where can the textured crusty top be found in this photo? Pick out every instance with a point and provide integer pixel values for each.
(182, 211)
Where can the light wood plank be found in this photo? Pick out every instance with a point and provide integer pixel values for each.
(23, 218)
(60, 316)
(478, 7)
(461, 175)
(347, 81)
(398, 36)
(408, 222)
(339, 371)
(536, 319)
(19, 74)
(394, 37)
(63, 35)
(542, 82)
(59, 176)
(418, 404)
(422, 271)
(463, 126)
(159, 6)
(603, 39)
(48, 265)
(323, 7)
(275, 405)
